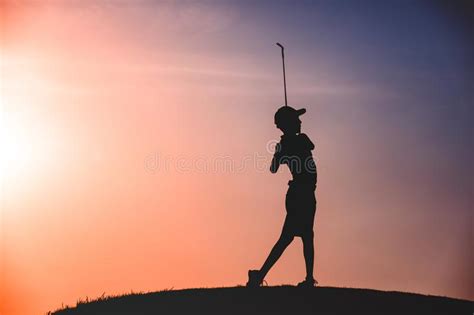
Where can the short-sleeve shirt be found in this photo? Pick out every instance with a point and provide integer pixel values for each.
(295, 151)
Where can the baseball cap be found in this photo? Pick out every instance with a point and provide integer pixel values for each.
(286, 113)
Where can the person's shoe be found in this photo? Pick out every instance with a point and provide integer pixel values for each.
(255, 279)
(308, 283)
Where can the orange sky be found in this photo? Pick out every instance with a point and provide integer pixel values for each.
(96, 97)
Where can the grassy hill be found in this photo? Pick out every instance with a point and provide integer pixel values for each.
(272, 300)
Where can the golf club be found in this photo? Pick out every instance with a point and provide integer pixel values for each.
(284, 76)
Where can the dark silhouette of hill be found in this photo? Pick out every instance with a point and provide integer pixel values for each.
(272, 300)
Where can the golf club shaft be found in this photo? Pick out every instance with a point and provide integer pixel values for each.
(284, 74)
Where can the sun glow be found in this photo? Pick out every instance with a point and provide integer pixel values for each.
(26, 143)
(17, 147)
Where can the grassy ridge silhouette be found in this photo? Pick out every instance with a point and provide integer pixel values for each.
(271, 300)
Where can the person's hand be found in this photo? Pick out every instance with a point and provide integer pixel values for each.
(278, 151)
(278, 148)
(276, 158)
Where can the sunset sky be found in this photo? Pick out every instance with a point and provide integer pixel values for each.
(137, 136)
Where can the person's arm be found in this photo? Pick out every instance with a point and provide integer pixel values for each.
(308, 142)
(276, 159)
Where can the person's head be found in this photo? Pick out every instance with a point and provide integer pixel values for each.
(287, 119)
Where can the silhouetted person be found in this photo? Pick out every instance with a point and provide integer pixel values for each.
(294, 149)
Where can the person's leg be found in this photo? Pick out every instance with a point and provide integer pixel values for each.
(308, 251)
(275, 254)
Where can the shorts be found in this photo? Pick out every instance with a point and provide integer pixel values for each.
(300, 210)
